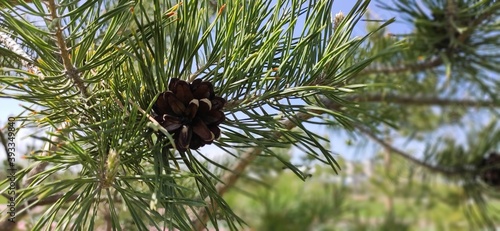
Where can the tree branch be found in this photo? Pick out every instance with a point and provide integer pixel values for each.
(403, 99)
(425, 101)
(4, 143)
(12, 45)
(404, 68)
(438, 169)
(71, 71)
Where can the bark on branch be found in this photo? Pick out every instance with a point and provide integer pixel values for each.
(381, 142)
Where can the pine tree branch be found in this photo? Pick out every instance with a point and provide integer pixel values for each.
(12, 45)
(71, 70)
(433, 63)
(399, 99)
(4, 143)
(437, 169)
(424, 101)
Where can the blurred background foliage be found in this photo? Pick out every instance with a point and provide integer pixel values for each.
(381, 193)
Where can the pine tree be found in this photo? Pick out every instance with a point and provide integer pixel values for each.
(127, 92)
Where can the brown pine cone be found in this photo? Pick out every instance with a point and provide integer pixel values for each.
(190, 112)
(490, 170)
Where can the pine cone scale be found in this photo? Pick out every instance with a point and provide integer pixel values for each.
(201, 129)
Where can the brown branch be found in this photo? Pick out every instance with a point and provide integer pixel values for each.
(438, 169)
(402, 99)
(71, 71)
(4, 143)
(49, 146)
(404, 68)
(425, 101)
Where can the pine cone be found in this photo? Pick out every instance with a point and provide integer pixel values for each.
(190, 112)
(490, 170)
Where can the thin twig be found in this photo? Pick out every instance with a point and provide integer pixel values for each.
(433, 63)
(4, 143)
(438, 169)
(425, 101)
(71, 70)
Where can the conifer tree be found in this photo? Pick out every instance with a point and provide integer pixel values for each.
(129, 93)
